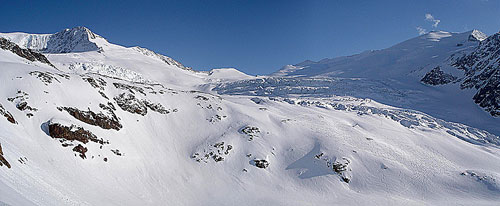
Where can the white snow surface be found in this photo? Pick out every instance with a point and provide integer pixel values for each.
(390, 76)
(394, 156)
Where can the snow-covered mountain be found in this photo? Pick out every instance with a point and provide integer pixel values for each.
(397, 61)
(427, 73)
(127, 126)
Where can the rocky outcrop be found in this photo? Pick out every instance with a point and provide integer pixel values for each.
(437, 77)
(47, 77)
(339, 166)
(68, 135)
(130, 103)
(3, 161)
(97, 83)
(7, 115)
(72, 133)
(250, 132)
(97, 119)
(130, 88)
(215, 152)
(24, 53)
(20, 100)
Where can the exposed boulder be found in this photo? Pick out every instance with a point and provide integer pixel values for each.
(82, 150)
(260, 163)
(117, 152)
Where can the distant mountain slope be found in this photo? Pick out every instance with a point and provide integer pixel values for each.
(430, 73)
(397, 61)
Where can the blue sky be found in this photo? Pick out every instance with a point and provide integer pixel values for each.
(257, 37)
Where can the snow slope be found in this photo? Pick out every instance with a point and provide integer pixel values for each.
(397, 61)
(178, 146)
(391, 76)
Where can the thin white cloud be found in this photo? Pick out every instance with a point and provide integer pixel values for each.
(429, 17)
(421, 30)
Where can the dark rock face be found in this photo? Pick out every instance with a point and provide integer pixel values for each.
(437, 77)
(482, 71)
(261, 163)
(7, 115)
(3, 161)
(97, 119)
(24, 53)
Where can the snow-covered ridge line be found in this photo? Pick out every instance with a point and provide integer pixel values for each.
(163, 58)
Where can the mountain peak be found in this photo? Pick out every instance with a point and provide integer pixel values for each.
(81, 30)
(476, 35)
(77, 39)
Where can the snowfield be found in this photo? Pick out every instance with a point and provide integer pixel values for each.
(116, 126)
